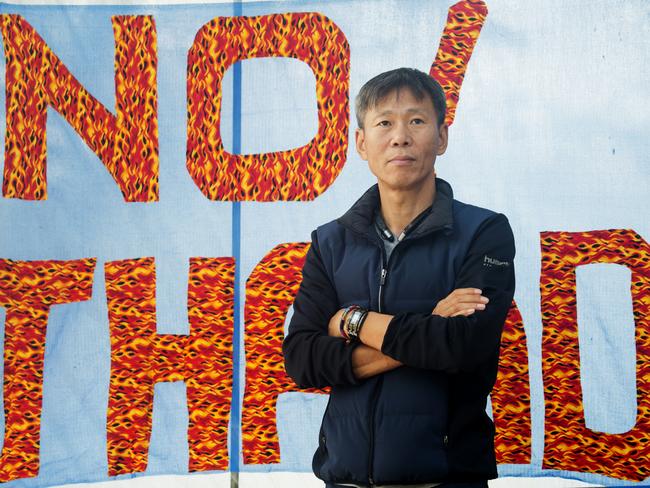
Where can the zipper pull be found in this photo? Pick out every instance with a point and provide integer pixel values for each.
(382, 280)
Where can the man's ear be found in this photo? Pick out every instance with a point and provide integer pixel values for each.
(443, 139)
(360, 140)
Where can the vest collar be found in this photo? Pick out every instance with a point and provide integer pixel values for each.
(360, 217)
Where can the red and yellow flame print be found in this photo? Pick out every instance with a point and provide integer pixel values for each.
(140, 358)
(270, 291)
(27, 291)
(569, 444)
(464, 23)
(511, 394)
(302, 173)
(127, 144)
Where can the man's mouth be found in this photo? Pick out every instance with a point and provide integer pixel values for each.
(400, 160)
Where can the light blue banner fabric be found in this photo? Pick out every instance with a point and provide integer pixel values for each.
(550, 129)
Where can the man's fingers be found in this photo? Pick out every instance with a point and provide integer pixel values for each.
(461, 301)
(470, 299)
(466, 312)
(479, 302)
(464, 309)
(466, 291)
(458, 307)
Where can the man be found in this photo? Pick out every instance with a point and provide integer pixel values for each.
(401, 308)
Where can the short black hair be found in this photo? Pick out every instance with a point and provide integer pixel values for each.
(419, 83)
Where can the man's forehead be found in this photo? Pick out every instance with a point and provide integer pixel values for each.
(402, 99)
(403, 109)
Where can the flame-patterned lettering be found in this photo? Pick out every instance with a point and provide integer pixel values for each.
(302, 173)
(464, 23)
(27, 291)
(511, 394)
(270, 291)
(127, 144)
(140, 358)
(569, 443)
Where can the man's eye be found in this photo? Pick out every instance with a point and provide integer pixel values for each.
(417, 121)
(383, 123)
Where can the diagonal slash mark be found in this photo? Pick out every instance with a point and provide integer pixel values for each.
(464, 22)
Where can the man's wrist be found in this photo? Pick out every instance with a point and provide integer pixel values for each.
(352, 321)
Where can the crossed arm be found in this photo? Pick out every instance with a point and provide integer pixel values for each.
(367, 358)
(461, 333)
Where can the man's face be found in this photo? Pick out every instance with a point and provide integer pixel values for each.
(400, 140)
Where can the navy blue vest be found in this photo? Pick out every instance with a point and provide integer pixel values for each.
(393, 428)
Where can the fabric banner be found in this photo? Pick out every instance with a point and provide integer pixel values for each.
(164, 166)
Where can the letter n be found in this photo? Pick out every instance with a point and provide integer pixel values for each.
(568, 443)
(126, 143)
(140, 358)
(302, 173)
(270, 291)
(27, 291)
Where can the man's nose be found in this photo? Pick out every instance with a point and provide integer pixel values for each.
(401, 136)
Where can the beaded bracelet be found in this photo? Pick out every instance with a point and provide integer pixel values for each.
(352, 321)
(344, 317)
(355, 322)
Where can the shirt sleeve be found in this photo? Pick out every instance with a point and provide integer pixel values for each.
(312, 358)
(454, 344)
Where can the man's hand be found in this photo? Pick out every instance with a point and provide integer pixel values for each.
(462, 301)
(334, 327)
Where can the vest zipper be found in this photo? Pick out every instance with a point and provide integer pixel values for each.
(375, 396)
(382, 280)
(371, 481)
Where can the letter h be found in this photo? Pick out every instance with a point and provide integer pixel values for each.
(140, 358)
